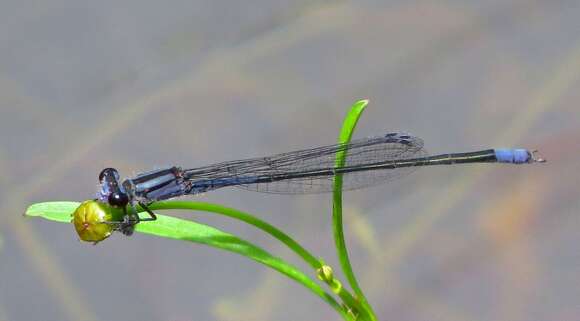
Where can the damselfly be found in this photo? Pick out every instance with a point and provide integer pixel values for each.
(369, 161)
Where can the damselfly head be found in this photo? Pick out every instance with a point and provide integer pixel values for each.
(110, 190)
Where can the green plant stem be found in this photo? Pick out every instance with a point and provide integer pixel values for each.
(348, 127)
(348, 299)
(242, 216)
(190, 231)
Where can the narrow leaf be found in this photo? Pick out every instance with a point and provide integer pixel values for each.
(348, 127)
(179, 229)
(53, 211)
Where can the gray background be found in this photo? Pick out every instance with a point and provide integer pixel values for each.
(142, 84)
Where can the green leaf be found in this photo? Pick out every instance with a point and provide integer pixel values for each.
(179, 229)
(348, 127)
(349, 124)
(53, 211)
(244, 217)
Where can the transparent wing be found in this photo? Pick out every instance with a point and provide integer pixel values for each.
(361, 152)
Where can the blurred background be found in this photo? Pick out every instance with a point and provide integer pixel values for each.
(138, 85)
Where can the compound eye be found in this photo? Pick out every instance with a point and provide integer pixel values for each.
(108, 172)
(118, 199)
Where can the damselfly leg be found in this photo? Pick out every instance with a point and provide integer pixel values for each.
(130, 218)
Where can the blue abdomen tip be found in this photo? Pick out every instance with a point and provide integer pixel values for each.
(513, 156)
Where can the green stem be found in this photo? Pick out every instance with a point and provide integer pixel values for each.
(348, 127)
(184, 230)
(242, 216)
(347, 298)
(326, 275)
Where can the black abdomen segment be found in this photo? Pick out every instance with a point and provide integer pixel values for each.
(484, 156)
